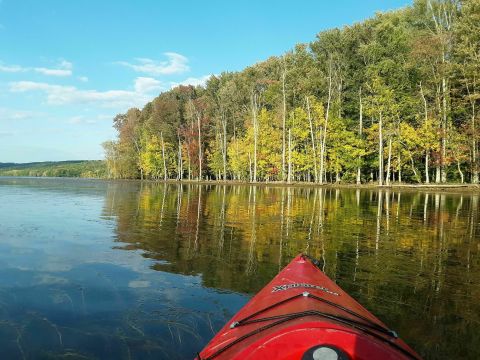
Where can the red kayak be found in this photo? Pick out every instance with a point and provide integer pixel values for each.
(302, 314)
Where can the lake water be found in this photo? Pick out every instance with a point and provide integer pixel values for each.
(128, 270)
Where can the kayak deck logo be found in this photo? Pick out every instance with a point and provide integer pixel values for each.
(284, 287)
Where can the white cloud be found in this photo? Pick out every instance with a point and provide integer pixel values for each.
(53, 72)
(89, 120)
(61, 94)
(83, 79)
(64, 68)
(145, 85)
(64, 64)
(78, 120)
(12, 68)
(105, 116)
(176, 64)
(194, 81)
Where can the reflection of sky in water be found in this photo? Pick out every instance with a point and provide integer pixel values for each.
(65, 291)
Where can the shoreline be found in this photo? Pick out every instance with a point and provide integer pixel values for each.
(365, 186)
(462, 188)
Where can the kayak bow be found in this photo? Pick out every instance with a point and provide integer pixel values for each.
(302, 314)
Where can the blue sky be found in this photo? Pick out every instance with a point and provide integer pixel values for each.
(68, 67)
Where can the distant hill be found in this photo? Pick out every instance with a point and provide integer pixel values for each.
(73, 168)
(6, 165)
(40, 163)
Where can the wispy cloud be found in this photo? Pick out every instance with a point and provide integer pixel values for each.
(64, 68)
(103, 117)
(12, 68)
(61, 94)
(78, 120)
(83, 78)
(89, 120)
(7, 114)
(53, 72)
(145, 85)
(175, 64)
(194, 81)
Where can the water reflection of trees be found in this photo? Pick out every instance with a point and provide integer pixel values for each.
(412, 258)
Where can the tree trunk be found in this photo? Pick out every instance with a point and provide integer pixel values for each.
(443, 26)
(312, 136)
(427, 151)
(380, 151)
(224, 145)
(444, 129)
(427, 174)
(180, 162)
(473, 100)
(289, 176)
(250, 175)
(415, 174)
(196, 115)
(399, 168)
(460, 172)
(325, 128)
(474, 147)
(200, 157)
(284, 117)
(389, 160)
(360, 131)
(236, 143)
(189, 164)
(255, 135)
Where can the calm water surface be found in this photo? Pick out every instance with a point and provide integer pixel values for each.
(124, 270)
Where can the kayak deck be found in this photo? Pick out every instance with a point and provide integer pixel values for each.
(302, 314)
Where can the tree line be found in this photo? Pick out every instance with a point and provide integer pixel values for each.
(72, 168)
(392, 99)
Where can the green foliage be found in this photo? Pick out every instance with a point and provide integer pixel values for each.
(389, 97)
(156, 158)
(84, 169)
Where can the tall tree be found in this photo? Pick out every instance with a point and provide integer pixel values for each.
(467, 63)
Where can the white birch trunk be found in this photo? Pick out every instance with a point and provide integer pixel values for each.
(289, 176)
(360, 133)
(324, 140)
(389, 162)
(312, 136)
(427, 151)
(255, 135)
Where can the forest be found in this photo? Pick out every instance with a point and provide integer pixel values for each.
(394, 98)
(72, 168)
